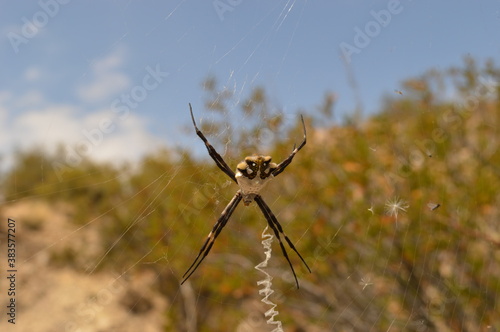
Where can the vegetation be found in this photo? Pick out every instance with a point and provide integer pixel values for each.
(359, 201)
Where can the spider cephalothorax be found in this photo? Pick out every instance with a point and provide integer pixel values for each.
(255, 165)
(251, 175)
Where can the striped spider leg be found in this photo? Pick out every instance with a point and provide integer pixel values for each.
(221, 222)
(211, 150)
(251, 175)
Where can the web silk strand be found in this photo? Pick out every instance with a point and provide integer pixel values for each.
(267, 290)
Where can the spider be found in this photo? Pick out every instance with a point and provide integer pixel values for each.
(251, 175)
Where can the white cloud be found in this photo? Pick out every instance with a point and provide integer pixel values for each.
(105, 86)
(32, 74)
(5, 96)
(106, 79)
(36, 128)
(128, 141)
(29, 100)
(109, 62)
(45, 127)
(51, 126)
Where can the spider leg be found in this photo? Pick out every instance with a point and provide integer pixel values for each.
(212, 236)
(281, 166)
(275, 225)
(211, 150)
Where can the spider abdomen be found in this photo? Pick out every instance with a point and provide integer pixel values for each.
(251, 186)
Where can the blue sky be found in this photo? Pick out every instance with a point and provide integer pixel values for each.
(115, 77)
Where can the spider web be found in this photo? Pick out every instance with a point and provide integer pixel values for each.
(365, 285)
